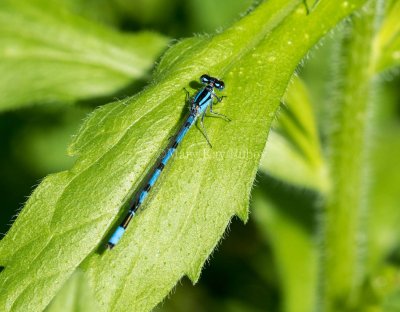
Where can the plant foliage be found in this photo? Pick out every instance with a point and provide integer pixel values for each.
(70, 215)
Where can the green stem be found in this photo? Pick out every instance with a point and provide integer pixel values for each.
(347, 204)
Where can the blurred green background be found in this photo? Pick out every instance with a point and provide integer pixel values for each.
(258, 266)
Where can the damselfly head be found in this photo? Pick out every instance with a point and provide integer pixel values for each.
(213, 82)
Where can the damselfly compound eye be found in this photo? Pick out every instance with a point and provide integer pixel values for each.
(205, 79)
(220, 85)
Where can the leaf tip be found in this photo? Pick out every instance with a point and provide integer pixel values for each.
(194, 273)
(243, 213)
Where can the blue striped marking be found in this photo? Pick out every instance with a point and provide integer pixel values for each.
(154, 177)
(168, 155)
(190, 119)
(142, 196)
(114, 239)
(181, 135)
(199, 104)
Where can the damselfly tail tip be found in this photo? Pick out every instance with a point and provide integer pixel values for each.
(110, 246)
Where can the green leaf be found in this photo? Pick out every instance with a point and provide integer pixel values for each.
(101, 11)
(384, 215)
(50, 55)
(293, 153)
(219, 13)
(72, 213)
(386, 53)
(285, 219)
(75, 296)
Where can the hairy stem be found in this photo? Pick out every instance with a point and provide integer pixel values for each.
(346, 205)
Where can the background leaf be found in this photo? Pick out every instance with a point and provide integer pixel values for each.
(74, 296)
(293, 153)
(387, 41)
(291, 230)
(51, 55)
